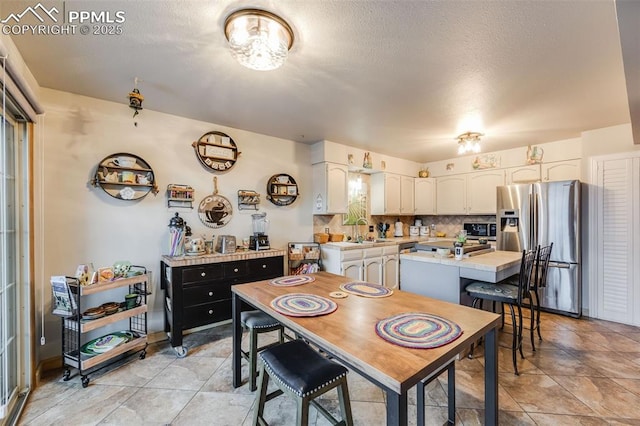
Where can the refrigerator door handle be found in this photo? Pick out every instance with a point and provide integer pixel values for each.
(562, 265)
(533, 218)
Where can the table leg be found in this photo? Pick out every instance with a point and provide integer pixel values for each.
(396, 409)
(491, 378)
(236, 307)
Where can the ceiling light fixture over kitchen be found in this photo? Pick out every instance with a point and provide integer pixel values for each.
(259, 40)
(469, 142)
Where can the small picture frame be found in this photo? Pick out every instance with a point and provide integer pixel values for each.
(283, 190)
(292, 190)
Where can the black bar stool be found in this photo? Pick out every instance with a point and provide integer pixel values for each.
(257, 322)
(304, 374)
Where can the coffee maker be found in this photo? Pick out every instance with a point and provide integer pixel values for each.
(259, 240)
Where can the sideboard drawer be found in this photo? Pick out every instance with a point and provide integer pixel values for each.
(197, 295)
(266, 267)
(195, 274)
(234, 270)
(196, 316)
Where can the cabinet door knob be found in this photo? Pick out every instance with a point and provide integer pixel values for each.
(210, 311)
(235, 270)
(203, 274)
(264, 266)
(210, 293)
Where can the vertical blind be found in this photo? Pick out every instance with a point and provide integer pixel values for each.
(18, 103)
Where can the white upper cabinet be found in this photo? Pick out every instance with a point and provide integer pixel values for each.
(330, 188)
(425, 196)
(481, 191)
(407, 195)
(385, 194)
(451, 194)
(561, 170)
(523, 174)
(470, 193)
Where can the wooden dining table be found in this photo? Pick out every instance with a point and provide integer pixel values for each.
(349, 335)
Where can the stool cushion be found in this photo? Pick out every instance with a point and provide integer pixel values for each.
(257, 319)
(490, 291)
(299, 368)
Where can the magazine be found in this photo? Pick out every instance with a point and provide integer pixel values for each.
(64, 303)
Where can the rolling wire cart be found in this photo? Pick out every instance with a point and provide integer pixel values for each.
(304, 258)
(98, 353)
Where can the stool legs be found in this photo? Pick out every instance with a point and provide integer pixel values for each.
(253, 359)
(345, 402)
(302, 403)
(252, 354)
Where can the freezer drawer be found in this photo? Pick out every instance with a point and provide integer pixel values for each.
(563, 293)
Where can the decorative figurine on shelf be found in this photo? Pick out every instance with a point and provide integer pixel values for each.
(534, 155)
(424, 173)
(135, 100)
(367, 161)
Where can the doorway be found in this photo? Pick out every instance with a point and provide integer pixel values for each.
(15, 359)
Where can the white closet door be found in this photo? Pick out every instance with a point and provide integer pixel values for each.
(616, 240)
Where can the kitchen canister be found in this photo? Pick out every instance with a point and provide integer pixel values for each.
(458, 250)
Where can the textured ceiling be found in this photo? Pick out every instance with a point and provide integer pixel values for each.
(395, 77)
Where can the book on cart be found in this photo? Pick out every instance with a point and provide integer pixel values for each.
(64, 304)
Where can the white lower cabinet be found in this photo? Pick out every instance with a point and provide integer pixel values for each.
(352, 269)
(372, 268)
(377, 265)
(390, 267)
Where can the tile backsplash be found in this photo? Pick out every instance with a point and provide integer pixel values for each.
(450, 225)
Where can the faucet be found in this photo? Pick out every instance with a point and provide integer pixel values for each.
(356, 231)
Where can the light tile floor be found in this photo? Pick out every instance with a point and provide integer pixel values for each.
(584, 372)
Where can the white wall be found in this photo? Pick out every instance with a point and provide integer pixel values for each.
(83, 224)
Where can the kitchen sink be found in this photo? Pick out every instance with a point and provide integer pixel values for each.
(352, 244)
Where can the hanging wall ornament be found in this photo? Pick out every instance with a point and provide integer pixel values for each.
(135, 100)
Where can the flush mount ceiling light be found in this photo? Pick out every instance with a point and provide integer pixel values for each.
(469, 142)
(258, 39)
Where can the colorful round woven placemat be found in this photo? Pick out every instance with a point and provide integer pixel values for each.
(418, 330)
(361, 288)
(303, 305)
(292, 280)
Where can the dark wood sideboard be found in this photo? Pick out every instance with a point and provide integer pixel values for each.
(197, 290)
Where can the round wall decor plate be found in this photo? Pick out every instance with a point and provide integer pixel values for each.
(215, 210)
(361, 288)
(418, 330)
(292, 280)
(216, 151)
(303, 305)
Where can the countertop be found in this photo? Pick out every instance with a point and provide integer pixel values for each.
(347, 245)
(495, 261)
(203, 259)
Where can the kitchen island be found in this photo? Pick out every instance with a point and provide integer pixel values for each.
(445, 278)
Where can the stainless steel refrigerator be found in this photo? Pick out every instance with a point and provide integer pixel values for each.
(540, 214)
